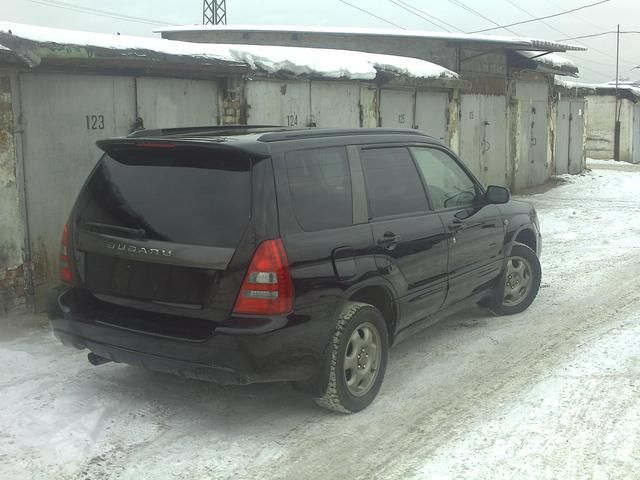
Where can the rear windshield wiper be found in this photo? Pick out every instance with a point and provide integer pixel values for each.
(106, 228)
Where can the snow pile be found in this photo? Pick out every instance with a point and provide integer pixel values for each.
(335, 64)
(552, 60)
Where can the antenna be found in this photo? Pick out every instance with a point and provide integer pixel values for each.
(214, 12)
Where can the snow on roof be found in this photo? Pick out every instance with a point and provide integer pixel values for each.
(595, 87)
(507, 42)
(550, 59)
(2, 47)
(335, 64)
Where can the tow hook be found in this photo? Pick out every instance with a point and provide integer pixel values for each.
(96, 360)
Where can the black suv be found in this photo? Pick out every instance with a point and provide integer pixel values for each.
(243, 255)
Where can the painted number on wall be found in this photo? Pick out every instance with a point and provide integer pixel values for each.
(402, 118)
(292, 120)
(94, 122)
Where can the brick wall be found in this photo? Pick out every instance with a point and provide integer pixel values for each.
(232, 111)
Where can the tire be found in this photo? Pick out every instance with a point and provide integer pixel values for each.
(512, 296)
(349, 390)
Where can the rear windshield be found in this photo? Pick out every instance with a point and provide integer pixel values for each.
(183, 195)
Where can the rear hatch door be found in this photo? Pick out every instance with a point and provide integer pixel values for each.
(157, 225)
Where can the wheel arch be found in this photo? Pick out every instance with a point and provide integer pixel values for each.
(381, 297)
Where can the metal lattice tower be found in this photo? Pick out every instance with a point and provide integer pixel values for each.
(214, 12)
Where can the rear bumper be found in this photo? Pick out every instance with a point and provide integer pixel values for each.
(293, 352)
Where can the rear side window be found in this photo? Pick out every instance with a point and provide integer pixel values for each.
(394, 186)
(320, 187)
(183, 195)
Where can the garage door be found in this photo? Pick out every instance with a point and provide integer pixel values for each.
(483, 137)
(396, 108)
(62, 117)
(278, 103)
(335, 105)
(173, 102)
(431, 114)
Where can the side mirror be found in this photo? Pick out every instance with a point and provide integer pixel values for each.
(496, 194)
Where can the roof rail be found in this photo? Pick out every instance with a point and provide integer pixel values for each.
(228, 129)
(290, 134)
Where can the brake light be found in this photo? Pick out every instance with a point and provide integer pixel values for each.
(66, 274)
(267, 288)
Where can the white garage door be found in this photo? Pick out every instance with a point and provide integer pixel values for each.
(278, 103)
(174, 102)
(63, 116)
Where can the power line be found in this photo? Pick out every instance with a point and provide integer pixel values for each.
(369, 13)
(99, 13)
(458, 3)
(602, 52)
(593, 35)
(433, 17)
(419, 15)
(543, 18)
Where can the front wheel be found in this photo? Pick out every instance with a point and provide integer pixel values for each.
(520, 282)
(356, 360)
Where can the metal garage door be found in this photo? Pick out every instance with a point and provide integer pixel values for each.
(173, 102)
(278, 103)
(335, 104)
(397, 108)
(431, 114)
(62, 117)
(570, 136)
(576, 137)
(483, 137)
(534, 140)
(563, 125)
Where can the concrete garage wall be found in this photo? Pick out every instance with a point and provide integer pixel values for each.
(12, 270)
(600, 127)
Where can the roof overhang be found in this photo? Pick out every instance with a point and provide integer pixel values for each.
(213, 33)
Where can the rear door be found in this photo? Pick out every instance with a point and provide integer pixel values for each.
(475, 229)
(410, 243)
(156, 228)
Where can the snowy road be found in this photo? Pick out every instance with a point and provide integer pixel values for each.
(550, 393)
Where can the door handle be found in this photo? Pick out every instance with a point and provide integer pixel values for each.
(457, 225)
(389, 240)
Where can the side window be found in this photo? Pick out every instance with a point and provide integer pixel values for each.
(449, 186)
(320, 186)
(393, 183)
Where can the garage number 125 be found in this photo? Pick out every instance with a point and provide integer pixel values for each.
(94, 122)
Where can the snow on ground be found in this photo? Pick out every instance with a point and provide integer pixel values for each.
(337, 64)
(551, 393)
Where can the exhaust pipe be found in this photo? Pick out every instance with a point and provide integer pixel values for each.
(96, 360)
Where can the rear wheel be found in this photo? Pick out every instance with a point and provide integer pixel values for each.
(356, 361)
(520, 282)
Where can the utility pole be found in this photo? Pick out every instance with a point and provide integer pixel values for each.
(214, 12)
(616, 125)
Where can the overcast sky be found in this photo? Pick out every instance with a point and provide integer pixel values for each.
(596, 65)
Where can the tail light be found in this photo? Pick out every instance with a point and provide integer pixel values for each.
(267, 288)
(66, 275)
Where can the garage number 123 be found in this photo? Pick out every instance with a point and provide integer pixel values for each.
(94, 122)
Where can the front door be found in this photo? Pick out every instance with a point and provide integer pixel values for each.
(410, 242)
(474, 228)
